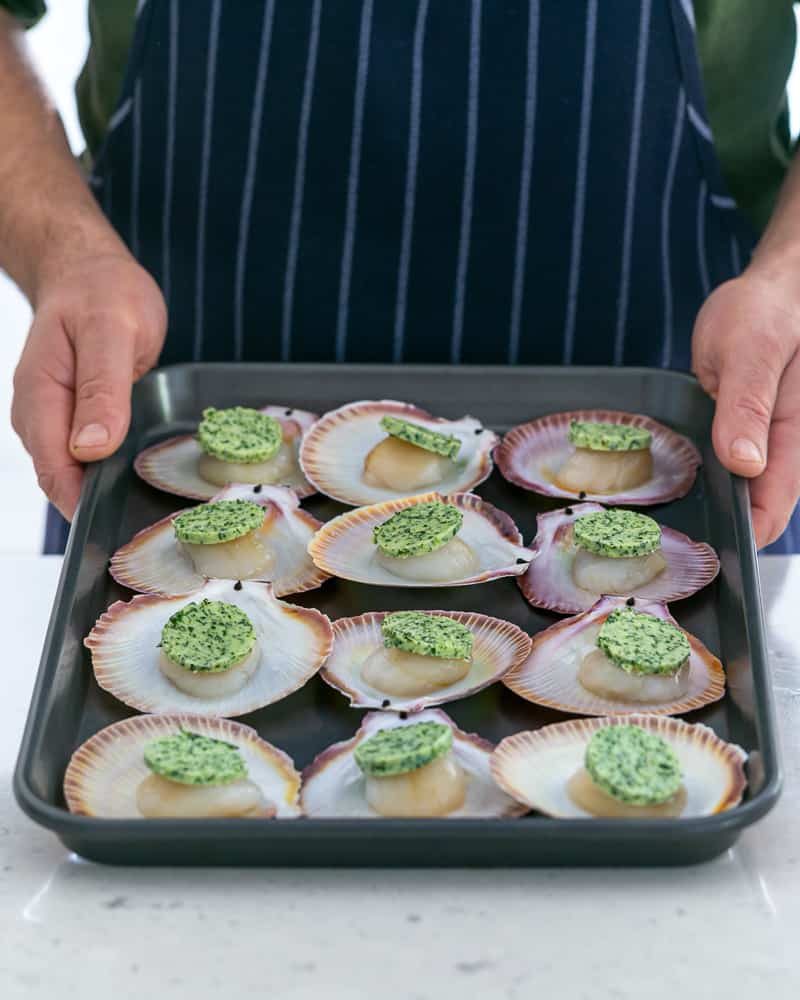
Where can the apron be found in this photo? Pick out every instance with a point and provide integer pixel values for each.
(457, 181)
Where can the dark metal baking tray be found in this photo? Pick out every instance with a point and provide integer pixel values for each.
(68, 706)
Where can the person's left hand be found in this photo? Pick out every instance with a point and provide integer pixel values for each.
(745, 354)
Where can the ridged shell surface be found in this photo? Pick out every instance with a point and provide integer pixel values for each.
(171, 465)
(104, 773)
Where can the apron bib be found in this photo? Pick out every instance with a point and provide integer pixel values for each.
(463, 181)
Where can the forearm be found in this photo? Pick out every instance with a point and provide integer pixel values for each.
(48, 215)
(778, 252)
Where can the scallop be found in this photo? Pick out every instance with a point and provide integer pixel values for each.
(542, 768)
(105, 775)
(560, 655)
(291, 645)
(154, 562)
(539, 457)
(489, 546)
(348, 456)
(359, 659)
(549, 581)
(334, 786)
(177, 465)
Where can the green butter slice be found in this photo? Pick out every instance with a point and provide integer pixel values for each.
(208, 637)
(427, 635)
(239, 434)
(193, 759)
(417, 530)
(618, 534)
(441, 444)
(221, 521)
(633, 765)
(403, 749)
(643, 644)
(598, 436)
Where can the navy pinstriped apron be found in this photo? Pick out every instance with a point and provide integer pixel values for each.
(491, 181)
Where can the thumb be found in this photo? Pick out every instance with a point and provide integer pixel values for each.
(746, 393)
(104, 359)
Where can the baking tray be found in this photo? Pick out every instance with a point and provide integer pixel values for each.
(68, 706)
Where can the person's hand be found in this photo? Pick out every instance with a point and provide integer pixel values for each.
(98, 326)
(745, 354)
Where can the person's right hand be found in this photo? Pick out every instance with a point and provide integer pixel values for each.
(98, 326)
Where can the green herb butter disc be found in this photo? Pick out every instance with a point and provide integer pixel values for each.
(222, 521)
(403, 749)
(618, 534)
(633, 765)
(442, 444)
(192, 759)
(414, 531)
(427, 635)
(239, 435)
(608, 437)
(643, 644)
(208, 637)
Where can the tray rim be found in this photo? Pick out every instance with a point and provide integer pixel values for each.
(67, 825)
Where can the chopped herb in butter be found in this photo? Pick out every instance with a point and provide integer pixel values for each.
(643, 644)
(596, 436)
(221, 521)
(633, 765)
(403, 749)
(193, 759)
(239, 434)
(618, 534)
(427, 635)
(208, 637)
(445, 445)
(417, 530)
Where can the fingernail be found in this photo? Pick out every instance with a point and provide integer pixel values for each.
(91, 436)
(745, 450)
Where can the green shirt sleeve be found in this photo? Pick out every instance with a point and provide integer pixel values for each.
(28, 12)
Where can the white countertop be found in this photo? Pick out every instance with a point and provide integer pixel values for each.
(71, 928)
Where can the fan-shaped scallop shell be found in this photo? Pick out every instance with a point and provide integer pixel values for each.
(532, 453)
(153, 563)
(497, 647)
(534, 767)
(333, 785)
(293, 642)
(171, 465)
(548, 581)
(549, 675)
(343, 547)
(104, 773)
(334, 449)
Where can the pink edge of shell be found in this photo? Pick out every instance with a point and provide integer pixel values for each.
(512, 448)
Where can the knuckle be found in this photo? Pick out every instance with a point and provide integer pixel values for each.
(754, 409)
(96, 392)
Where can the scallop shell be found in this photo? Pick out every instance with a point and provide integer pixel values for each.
(548, 581)
(549, 676)
(343, 547)
(152, 562)
(534, 767)
(333, 785)
(530, 451)
(104, 773)
(497, 647)
(171, 465)
(293, 643)
(333, 451)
